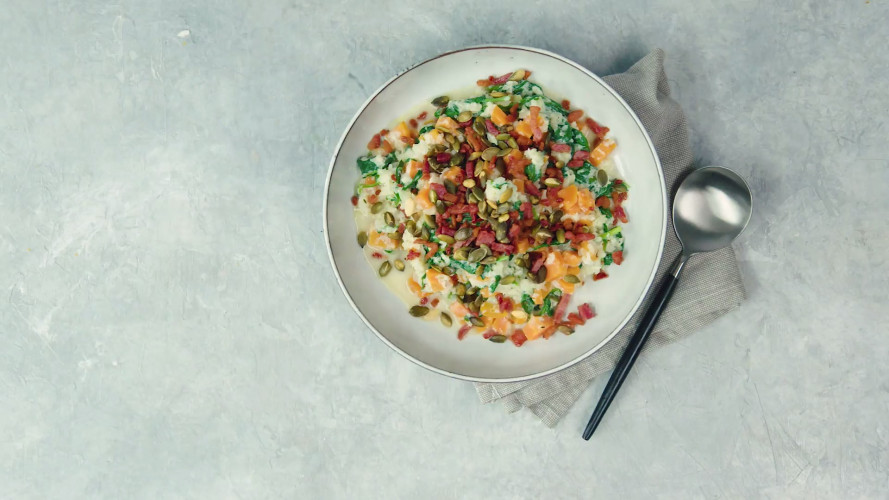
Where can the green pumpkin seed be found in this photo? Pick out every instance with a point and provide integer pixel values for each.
(475, 155)
(488, 260)
(560, 164)
(498, 339)
(362, 239)
(449, 185)
(425, 233)
(440, 207)
(512, 143)
(447, 271)
(472, 291)
(445, 319)
(521, 262)
(541, 274)
(469, 183)
(557, 216)
(479, 126)
(463, 233)
(389, 219)
(503, 218)
(504, 151)
(560, 236)
(419, 311)
(457, 159)
(497, 93)
(534, 200)
(620, 188)
(470, 198)
(479, 300)
(584, 229)
(482, 208)
(476, 321)
(500, 234)
(492, 204)
(477, 255)
(507, 280)
(518, 75)
(602, 177)
(441, 101)
(464, 117)
(489, 154)
(460, 290)
(502, 144)
(447, 239)
(433, 196)
(385, 267)
(461, 253)
(570, 278)
(506, 195)
(543, 234)
(567, 330)
(396, 236)
(428, 220)
(410, 226)
(478, 193)
(552, 182)
(376, 207)
(503, 137)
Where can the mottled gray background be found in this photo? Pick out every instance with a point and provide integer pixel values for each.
(170, 326)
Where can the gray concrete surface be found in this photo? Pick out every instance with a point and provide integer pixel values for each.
(169, 323)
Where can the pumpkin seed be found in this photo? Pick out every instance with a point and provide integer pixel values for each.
(506, 195)
(419, 311)
(570, 278)
(501, 143)
(477, 255)
(475, 155)
(478, 193)
(473, 307)
(543, 234)
(441, 101)
(507, 280)
(497, 93)
(584, 229)
(472, 291)
(428, 220)
(556, 216)
(489, 154)
(464, 117)
(384, 269)
(560, 236)
(479, 301)
(512, 143)
(479, 126)
(482, 182)
(503, 218)
(469, 183)
(518, 75)
(445, 319)
(410, 226)
(602, 177)
(447, 271)
(521, 263)
(567, 330)
(503, 137)
(504, 151)
(396, 236)
(476, 321)
(449, 185)
(489, 260)
(447, 239)
(551, 182)
(620, 188)
(560, 164)
(440, 207)
(426, 233)
(362, 239)
(482, 208)
(463, 233)
(376, 207)
(389, 219)
(534, 200)
(460, 290)
(492, 204)
(457, 159)
(470, 198)
(399, 264)
(541, 274)
(499, 339)
(433, 196)
(461, 253)
(500, 234)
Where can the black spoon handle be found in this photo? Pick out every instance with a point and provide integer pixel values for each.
(635, 347)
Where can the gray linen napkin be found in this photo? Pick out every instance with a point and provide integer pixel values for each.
(711, 283)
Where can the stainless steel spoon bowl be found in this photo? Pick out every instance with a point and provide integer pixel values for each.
(711, 208)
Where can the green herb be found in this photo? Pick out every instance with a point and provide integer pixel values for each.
(606, 212)
(366, 165)
(395, 199)
(612, 232)
(361, 185)
(496, 282)
(605, 190)
(550, 302)
(532, 172)
(413, 183)
(527, 304)
(608, 259)
(426, 128)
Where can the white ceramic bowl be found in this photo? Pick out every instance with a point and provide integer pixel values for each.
(615, 299)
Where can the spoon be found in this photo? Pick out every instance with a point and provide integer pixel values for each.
(711, 208)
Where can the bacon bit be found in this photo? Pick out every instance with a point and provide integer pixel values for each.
(532, 189)
(401, 228)
(411, 255)
(433, 303)
(600, 276)
(537, 263)
(566, 104)
(354, 201)
(465, 148)
(427, 170)
(483, 83)
(618, 257)
(518, 338)
(597, 129)
(442, 229)
(485, 238)
(439, 189)
(407, 140)
(501, 79)
(377, 255)
(574, 116)
(535, 127)
(514, 231)
(619, 198)
(383, 132)
(448, 197)
(560, 148)
(412, 123)
(470, 169)
(581, 155)
(620, 215)
(525, 207)
(603, 201)
(463, 331)
(575, 163)
(443, 157)
(575, 319)
(513, 116)
(473, 139)
(502, 247)
(488, 334)
(372, 199)
(562, 307)
(424, 301)
(581, 236)
(489, 125)
(375, 142)
(422, 116)
(586, 311)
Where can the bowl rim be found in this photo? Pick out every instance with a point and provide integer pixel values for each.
(581, 357)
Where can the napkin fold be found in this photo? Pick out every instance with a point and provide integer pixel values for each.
(711, 283)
